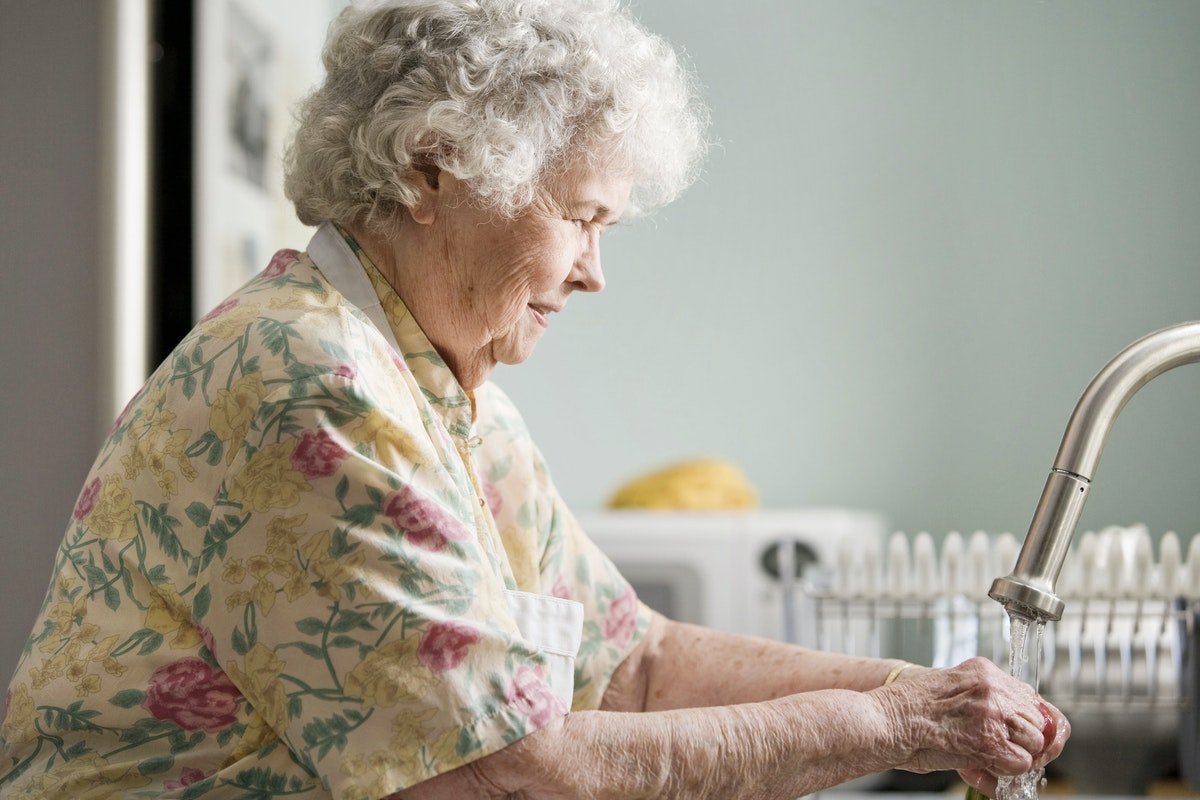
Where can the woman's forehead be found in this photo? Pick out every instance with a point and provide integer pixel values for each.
(604, 189)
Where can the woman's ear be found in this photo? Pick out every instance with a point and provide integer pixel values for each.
(427, 178)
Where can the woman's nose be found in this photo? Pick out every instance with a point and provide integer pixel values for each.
(588, 276)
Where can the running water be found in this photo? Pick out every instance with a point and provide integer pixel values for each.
(1024, 660)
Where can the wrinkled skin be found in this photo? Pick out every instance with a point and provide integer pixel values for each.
(686, 744)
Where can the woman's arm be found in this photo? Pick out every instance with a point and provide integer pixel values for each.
(677, 665)
(970, 717)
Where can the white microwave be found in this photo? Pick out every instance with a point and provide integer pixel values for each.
(722, 569)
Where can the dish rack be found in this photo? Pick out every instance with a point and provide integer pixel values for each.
(1121, 663)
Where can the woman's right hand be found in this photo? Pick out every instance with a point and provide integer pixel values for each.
(974, 718)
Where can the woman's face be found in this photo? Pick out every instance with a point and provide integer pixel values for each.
(490, 287)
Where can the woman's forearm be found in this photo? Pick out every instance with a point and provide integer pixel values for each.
(779, 749)
(971, 717)
(688, 666)
(782, 749)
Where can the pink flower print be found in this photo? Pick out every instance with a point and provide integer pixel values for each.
(445, 644)
(318, 454)
(492, 495)
(621, 620)
(189, 776)
(560, 589)
(533, 697)
(87, 499)
(279, 263)
(423, 521)
(193, 695)
(346, 371)
(219, 310)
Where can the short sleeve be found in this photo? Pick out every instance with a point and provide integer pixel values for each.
(575, 568)
(359, 611)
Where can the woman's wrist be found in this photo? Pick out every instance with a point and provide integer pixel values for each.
(897, 668)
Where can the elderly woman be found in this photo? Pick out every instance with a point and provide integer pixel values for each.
(319, 555)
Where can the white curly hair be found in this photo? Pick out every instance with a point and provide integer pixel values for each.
(500, 93)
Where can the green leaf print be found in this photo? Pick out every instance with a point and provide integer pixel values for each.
(199, 514)
(112, 598)
(128, 698)
(157, 764)
(198, 789)
(201, 602)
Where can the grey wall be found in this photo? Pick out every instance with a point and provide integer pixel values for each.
(49, 112)
(927, 226)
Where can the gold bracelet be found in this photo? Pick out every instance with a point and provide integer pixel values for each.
(895, 673)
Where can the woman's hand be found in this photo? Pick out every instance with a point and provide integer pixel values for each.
(974, 718)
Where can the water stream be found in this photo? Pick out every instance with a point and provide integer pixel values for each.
(1024, 663)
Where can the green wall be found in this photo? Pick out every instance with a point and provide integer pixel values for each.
(924, 227)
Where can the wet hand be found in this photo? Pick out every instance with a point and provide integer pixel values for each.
(974, 718)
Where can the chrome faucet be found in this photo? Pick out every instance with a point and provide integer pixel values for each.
(1029, 590)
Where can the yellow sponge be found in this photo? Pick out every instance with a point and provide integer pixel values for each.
(700, 485)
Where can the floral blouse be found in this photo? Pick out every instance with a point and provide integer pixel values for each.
(286, 573)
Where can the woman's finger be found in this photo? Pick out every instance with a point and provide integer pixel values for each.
(1062, 732)
(1025, 735)
(981, 779)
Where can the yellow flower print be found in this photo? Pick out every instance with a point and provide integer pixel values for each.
(18, 727)
(65, 615)
(260, 683)
(258, 566)
(168, 484)
(155, 418)
(393, 306)
(444, 746)
(389, 675)
(156, 461)
(232, 323)
(257, 734)
(304, 298)
(236, 600)
(174, 449)
(76, 670)
(103, 648)
(168, 615)
(86, 777)
(234, 572)
(268, 480)
(264, 596)
(87, 631)
(114, 667)
(89, 685)
(333, 572)
(113, 516)
(134, 463)
(296, 587)
(393, 446)
(408, 727)
(282, 535)
(234, 410)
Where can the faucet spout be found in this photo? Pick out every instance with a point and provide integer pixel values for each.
(1030, 588)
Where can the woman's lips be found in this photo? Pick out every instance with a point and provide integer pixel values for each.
(539, 317)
